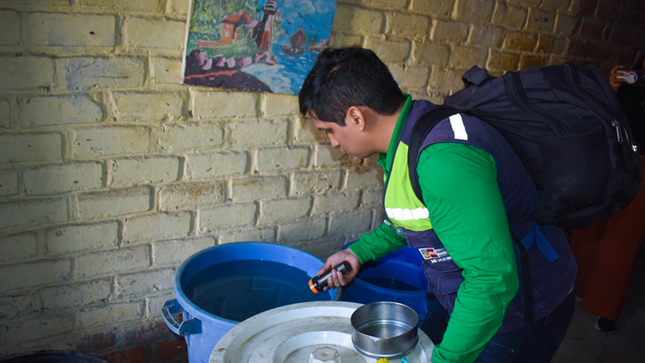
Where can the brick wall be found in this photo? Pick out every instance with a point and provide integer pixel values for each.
(112, 173)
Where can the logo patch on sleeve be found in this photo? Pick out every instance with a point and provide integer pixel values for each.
(435, 255)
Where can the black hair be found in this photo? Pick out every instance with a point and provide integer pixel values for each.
(345, 77)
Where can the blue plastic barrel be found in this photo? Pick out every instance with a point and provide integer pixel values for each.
(397, 276)
(217, 288)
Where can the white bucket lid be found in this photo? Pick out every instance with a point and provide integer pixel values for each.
(318, 331)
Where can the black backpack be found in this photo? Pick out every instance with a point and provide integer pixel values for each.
(565, 124)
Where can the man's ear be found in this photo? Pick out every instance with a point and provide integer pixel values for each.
(356, 117)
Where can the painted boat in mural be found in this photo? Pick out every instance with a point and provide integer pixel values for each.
(297, 40)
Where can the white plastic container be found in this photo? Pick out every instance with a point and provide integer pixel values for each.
(313, 332)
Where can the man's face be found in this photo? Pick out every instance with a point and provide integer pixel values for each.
(349, 138)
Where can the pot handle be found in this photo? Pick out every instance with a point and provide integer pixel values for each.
(187, 327)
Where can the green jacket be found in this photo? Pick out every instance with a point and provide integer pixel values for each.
(463, 201)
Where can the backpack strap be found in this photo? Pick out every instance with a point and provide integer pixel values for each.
(527, 281)
(420, 131)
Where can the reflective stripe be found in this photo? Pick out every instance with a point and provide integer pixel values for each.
(402, 214)
(458, 128)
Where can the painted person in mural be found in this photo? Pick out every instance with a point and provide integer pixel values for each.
(475, 313)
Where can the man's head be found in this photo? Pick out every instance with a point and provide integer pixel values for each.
(346, 77)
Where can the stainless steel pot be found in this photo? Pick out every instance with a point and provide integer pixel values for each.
(385, 329)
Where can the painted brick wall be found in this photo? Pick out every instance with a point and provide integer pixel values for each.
(112, 173)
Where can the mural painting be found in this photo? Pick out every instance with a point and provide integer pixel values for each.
(255, 45)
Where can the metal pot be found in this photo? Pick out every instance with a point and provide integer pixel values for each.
(385, 329)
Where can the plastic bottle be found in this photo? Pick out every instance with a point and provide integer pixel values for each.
(632, 77)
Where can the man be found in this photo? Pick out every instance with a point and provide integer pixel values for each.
(472, 185)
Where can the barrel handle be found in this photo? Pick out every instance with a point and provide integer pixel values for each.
(187, 327)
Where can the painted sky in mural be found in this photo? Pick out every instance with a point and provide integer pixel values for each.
(256, 45)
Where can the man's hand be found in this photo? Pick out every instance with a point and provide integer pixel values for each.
(337, 279)
(614, 80)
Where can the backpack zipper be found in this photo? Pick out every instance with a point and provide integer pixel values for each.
(515, 93)
(616, 126)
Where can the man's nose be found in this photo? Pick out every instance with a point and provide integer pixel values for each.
(333, 141)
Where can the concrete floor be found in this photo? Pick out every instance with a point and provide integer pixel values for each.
(584, 343)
